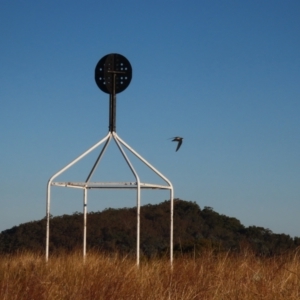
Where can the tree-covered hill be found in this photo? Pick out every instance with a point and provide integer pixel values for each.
(195, 229)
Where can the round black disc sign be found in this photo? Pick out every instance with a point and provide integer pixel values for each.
(113, 73)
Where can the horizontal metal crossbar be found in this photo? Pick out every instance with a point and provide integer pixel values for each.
(110, 185)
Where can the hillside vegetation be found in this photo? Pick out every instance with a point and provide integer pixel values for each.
(114, 230)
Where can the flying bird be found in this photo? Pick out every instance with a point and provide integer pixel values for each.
(179, 140)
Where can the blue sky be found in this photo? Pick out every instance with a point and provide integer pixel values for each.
(222, 74)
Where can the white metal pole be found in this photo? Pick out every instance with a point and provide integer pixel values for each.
(48, 220)
(171, 225)
(84, 221)
(138, 217)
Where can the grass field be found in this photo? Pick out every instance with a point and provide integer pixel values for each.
(209, 276)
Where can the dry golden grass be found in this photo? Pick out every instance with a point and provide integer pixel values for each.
(210, 276)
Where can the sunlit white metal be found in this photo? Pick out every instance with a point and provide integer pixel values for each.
(110, 185)
(84, 220)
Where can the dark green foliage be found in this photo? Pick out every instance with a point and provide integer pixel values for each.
(115, 230)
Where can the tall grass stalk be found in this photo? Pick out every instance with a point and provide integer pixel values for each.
(205, 276)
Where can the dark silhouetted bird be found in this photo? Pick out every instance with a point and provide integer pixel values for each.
(179, 140)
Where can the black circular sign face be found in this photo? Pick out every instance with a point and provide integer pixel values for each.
(113, 68)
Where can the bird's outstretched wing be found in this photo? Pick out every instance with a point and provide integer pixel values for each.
(179, 144)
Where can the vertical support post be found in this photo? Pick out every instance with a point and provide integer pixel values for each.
(84, 221)
(110, 112)
(112, 105)
(138, 214)
(48, 219)
(114, 102)
(171, 225)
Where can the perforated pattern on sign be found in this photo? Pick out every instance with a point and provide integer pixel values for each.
(113, 67)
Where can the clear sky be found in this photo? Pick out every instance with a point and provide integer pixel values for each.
(225, 75)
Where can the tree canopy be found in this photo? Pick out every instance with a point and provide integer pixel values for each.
(114, 230)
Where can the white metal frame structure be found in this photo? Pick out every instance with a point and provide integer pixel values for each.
(138, 185)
